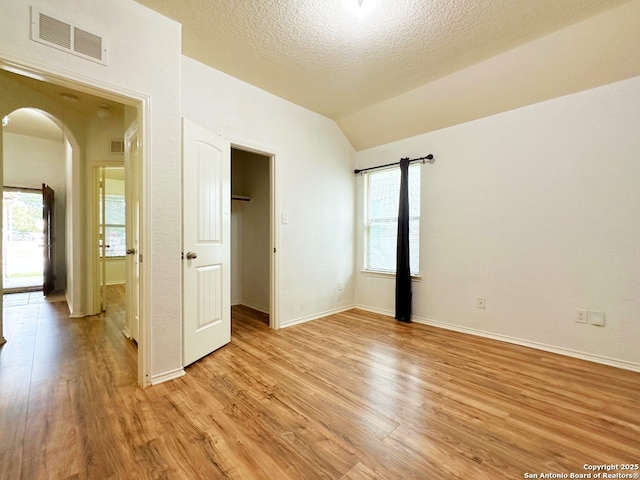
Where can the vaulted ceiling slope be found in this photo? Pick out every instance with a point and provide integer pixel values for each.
(397, 68)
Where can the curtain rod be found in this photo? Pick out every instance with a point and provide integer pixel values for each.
(428, 158)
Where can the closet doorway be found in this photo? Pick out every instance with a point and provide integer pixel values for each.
(252, 232)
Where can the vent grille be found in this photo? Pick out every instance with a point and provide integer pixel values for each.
(67, 37)
(87, 43)
(116, 147)
(55, 31)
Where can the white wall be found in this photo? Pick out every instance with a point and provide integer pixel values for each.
(115, 272)
(29, 162)
(538, 210)
(251, 238)
(26, 159)
(236, 256)
(314, 184)
(100, 131)
(143, 62)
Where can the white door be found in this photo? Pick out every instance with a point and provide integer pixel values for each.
(206, 226)
(132, 222)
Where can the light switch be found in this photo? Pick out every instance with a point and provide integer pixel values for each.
(596, 318)
(285, 219)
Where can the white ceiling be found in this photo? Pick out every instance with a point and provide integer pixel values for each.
(34, 123)
(322, 55)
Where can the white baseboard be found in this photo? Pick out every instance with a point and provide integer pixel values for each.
(387, 313)
(255, 307)
(612, 362)
(166, 376)
(309, 318)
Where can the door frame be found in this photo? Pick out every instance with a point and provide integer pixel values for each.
(142, 102)
(274, 234)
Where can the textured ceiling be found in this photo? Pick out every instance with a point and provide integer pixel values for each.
(322, 55)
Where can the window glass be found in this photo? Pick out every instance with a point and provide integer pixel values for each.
(381, 219)
(114, 225)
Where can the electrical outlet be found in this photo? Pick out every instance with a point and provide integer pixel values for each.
(481, 302)
(340, 286)
(582, 315)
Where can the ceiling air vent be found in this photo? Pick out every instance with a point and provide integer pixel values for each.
(69, 38)
(116, 147)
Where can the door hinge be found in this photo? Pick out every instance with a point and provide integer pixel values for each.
(140, 258)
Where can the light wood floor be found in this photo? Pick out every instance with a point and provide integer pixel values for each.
(353, 396)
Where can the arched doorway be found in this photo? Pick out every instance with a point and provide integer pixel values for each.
(35, 153)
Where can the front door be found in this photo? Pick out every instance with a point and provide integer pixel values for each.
(206, 222)
(48, 234)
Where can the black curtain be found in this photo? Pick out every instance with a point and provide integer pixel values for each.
(403, 270)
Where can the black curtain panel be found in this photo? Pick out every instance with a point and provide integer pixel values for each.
(403, 270)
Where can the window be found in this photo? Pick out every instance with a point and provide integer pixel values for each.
(382, 192)
(114, 225)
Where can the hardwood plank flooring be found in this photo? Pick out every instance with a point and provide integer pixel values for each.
(354, 396)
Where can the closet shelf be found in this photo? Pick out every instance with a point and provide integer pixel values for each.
(242, 198)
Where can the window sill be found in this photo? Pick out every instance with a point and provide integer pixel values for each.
(375, 273)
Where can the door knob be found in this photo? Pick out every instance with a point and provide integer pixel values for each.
(191, 255)
(131, 251)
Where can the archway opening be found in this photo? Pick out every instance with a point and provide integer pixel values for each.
(35, 156)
